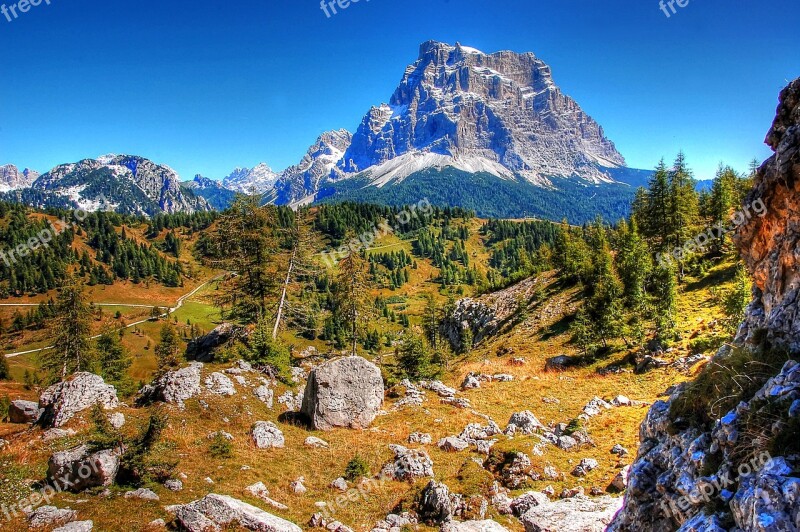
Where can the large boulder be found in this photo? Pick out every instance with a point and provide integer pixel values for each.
(77, 469)
(174, 387)
(435, 503)
(214, 512)
(347, 392)
(82, 391)
(577, 514)
(23, 412)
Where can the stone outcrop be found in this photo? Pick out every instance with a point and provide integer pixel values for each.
(680, 473)
(23, 412)
(576, 514)
(174, 387)
(204, 348)
(77, 469)
(347, 393)
(217, 512)
(408, 464)
(82, 391)
(266, 435)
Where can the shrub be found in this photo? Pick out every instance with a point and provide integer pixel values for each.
(5, 373)
(5, 402)
(723, 383)
(356, 469)
(415, 360)
(220, 447)
(266, 351)
(140, 462)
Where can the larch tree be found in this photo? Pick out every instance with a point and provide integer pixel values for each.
(71, 327)
(352, 294)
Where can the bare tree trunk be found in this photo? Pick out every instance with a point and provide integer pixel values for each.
(283, 295)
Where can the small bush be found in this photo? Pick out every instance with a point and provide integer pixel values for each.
(356, 469)
(220, 447)
(5, 373)
(724, 383)
(576, 425)
(5, 402)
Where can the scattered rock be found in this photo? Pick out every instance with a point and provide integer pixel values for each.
(265, 395)
(586, 466)
(619, 450)
(142, 494)
(221, 433)
(525, 502)
(174, 485)
(219, 384)
(62, 401)
(57, 434)
(435, 503)
(50, 516)
(260, 491)
(458, 402)
(560, 362)
(438, 388)
(408, 464)
(76, 526)
(77, 470)
(215, 511)
(347, 393)
(340, 484)
(117, 420)
(577, 514)
(620, 481)
(266, 435)
(23, 412)
(473, 526)
(174, 387)
(524, 422)
(420, 438)
(292, 401)
(318, 443)
(470, 382)
(298, 486)
(452, 444)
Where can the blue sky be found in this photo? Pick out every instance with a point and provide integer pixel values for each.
(205, 86)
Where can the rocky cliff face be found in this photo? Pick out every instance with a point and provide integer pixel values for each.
(733, 476)
(260, 179)
(300, 182)
(500, 113)
(12, 179)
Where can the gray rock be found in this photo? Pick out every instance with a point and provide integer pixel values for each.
(346, 393)
(76, 470)
(266, 435)
(318, 443)
(577, 514)
(435, 503)
(339, 484)
(526, 501)
(117, 420)
(174, 387)
(215, 511)
(473, 526)
(408, 464)
(143, 494)
(219, 384)
(57, 434)
(174, 485)
(265, 395)
(50, 516)
(76, 526)
(21, 412)
(620, 481)
(420, 438)
(452, 444)
(586, 466)
(62, 401)
(524, 422)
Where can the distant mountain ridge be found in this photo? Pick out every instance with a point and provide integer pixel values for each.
(494, 124)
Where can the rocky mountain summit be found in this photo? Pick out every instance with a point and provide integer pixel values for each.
(260, 179)
(738, 471)
(11, 178)
(125, 183)
(499, 113)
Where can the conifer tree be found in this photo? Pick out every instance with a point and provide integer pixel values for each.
(113, 360)
(683, 202)
(167, 349)
(71, 331)
(352, 294)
